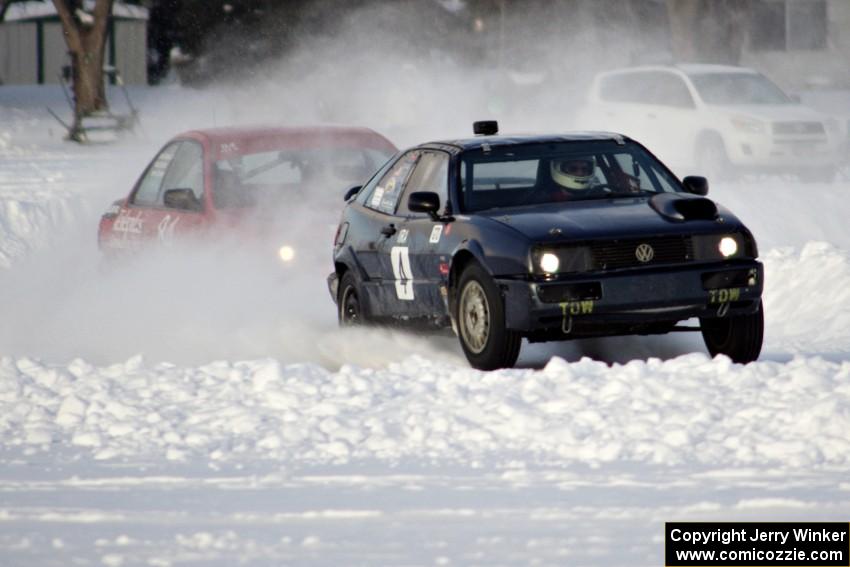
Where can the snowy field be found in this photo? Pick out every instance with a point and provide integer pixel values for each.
(203, 409)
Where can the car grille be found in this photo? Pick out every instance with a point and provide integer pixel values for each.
(795, 128)
(615, 254)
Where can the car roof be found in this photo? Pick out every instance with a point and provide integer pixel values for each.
(247, 139)
(686, 68)
(497, 141)
(702, 68)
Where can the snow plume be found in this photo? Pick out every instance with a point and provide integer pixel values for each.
(192, 303)
(377, 66)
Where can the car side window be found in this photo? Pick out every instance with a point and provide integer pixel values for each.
(671, 90)
(386, 194)
(148, 189)
(635, 87)
(635, 173)
(656, 87)
(186, 171)
(366, 192)
(431, 174)
(619, 88)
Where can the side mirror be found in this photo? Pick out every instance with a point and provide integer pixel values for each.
(424, 202)
(351, 192)
(183, 199)
(696, 184)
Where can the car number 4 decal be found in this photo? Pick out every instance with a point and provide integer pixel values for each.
(400, 258)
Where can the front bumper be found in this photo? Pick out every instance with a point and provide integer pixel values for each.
(630, 300)
(782, 152)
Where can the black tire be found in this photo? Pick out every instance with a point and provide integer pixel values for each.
(712, 159)
(349, 304)
(740, 338)
(480, 317)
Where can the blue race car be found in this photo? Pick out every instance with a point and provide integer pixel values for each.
(548, 238)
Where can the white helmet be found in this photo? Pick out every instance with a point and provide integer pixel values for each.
(574, 173)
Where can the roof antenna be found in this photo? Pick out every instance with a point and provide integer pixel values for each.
(485, 127)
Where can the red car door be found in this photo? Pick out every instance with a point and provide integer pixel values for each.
(180, 206)
(152, 214)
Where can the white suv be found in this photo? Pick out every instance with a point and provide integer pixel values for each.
(715, 118)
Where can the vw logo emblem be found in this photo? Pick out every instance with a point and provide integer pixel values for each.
(644, 253)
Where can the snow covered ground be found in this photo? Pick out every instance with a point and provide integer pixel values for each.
(201, 409)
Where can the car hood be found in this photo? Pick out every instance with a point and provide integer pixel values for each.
(614, 218)
(774, 112)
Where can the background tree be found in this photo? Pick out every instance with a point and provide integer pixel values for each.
(85, 34)
(708, 30)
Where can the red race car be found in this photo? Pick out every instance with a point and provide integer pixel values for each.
(218, 178)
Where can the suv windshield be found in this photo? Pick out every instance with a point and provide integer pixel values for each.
(529, 174)
(738, 88)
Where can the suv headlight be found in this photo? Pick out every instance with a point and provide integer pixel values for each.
(747, 124)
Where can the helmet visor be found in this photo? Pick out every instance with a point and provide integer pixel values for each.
(577, 167)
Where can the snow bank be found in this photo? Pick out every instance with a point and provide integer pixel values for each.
(686, 411)
(50, 188)
(36, 201)
(807, 299)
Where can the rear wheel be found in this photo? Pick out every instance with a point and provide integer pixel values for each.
(480, 317)
(349, 308)
(740, 338)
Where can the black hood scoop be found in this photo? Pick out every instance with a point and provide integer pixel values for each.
(683, 207)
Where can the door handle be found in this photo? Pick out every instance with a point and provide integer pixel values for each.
(388, 230)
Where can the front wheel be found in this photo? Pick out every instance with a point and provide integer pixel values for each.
(713, 161)
(349, 307)
(740, 338)
(480, 317)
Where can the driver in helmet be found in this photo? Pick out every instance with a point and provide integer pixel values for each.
(573, 177)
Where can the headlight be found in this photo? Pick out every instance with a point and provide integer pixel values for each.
(723, 246)
(286, 253)
(549, 263)
(550, 260)
(728, 246)
(747, 124)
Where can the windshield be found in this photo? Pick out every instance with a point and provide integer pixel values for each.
(738, 88)
(550, 173)
(253, 179)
